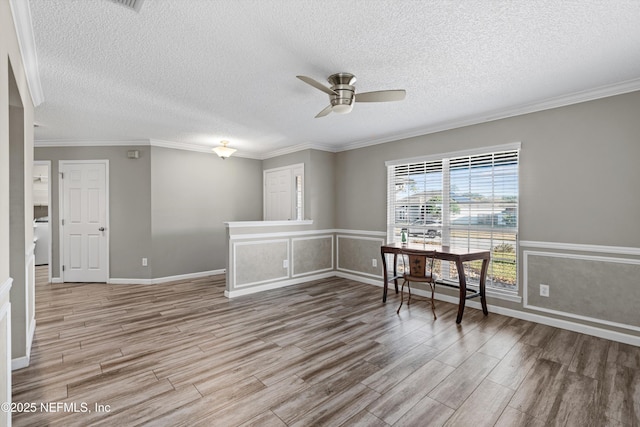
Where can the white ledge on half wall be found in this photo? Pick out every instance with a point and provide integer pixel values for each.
(240, 224)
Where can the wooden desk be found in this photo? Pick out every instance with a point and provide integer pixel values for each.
(446, 254)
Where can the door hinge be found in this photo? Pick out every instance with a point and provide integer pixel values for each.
(61, 175)
(63, 221)
(63, 268)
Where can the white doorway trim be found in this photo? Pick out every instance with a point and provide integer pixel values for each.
(47, 163)
(61, 166)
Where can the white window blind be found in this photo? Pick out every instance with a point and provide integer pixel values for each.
(466, 201)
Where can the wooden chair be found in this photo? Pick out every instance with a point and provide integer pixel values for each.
(418, 267)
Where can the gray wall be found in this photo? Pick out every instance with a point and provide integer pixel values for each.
(579, 180)
(19, 315)
(167, 206)
(129, 205)
(192, 195)
(578, 171)
(319, 183)
(14, 92)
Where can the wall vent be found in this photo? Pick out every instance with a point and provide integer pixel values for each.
(131, 4)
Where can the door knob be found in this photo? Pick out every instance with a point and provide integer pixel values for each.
(101, 229)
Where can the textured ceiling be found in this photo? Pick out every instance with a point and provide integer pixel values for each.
(197, 71)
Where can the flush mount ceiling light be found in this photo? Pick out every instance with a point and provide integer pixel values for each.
(224, 151)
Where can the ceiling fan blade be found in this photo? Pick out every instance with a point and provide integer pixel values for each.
(381, 96)
(316, 84)
(324, 112)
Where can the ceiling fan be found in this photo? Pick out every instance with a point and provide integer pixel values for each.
(342, 93)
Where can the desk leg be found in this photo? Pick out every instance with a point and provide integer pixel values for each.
(483, 280)
(384, 275)
(463, 290)
(395, 271)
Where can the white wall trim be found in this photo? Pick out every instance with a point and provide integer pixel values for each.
(293, 251)
(188, 146)
(518, 110)
(276, 285)
(47, 163)
(525, 286)
(361, 279)
(354, 272)
(26, 41)
(306, 233)
(56, 280)
(560, 101)
(361, 232)
(577, 247)
(19, 363)
(160, 280)
(277, 234)
(5, 314)
(43, 143)
(282, 223)
(298, 147)
(30, 335)
(532, 317)
(6, 287)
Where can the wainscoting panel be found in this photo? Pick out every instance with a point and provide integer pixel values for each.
(313, 254)
(595, 288)
(260, 261)
(356, 254)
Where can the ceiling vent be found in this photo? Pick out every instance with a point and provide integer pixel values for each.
(131, 4)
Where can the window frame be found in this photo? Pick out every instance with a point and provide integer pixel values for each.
(445, 227)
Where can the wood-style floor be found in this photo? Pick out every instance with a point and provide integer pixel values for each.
(322, 353)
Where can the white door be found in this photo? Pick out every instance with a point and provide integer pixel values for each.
(85, 241)
(278, 195)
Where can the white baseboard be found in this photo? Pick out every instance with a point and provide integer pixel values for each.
(276, 285)
(30, 335)
(19, 363)
(368, 281)
(56, 280)
(524, 315)
(159, 280)
(23, 361)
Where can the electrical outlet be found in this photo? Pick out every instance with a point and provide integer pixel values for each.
(285, 263)
(144, 262)
(374, 262)
(544, 290)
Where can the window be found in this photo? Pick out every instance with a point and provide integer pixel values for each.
(284, 193)
(465, 200)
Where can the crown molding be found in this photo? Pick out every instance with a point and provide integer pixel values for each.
(298, 147)
(198, 148)
(547, 104)
(24, 29)
(43, 143)
(84, 143)
(561, 101)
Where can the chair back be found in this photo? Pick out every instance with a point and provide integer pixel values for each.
(418, 264)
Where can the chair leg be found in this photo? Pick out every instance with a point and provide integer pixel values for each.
(433, 304)
(401, 297)
(409, 287)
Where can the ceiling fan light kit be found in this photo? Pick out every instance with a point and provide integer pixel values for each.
(342, 93)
